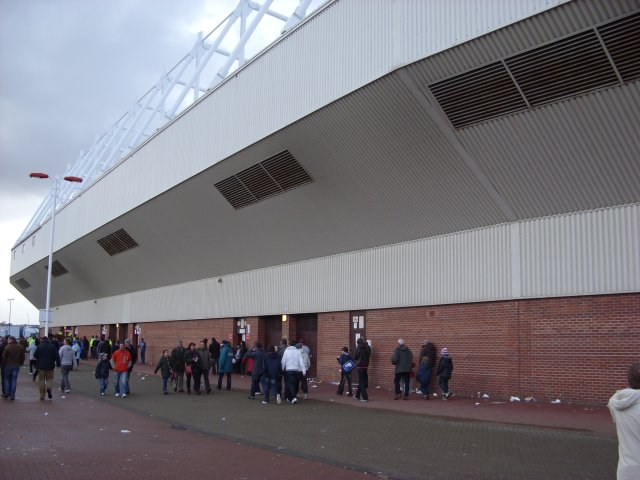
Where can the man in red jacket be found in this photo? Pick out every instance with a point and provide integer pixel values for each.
(121, 361)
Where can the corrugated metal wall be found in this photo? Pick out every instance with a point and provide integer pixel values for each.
(595, 252)
(346, 46)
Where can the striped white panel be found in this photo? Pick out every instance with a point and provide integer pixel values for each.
(584, 253)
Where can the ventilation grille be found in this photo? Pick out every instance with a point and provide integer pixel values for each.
(57, 269)
(22, 283)
(589, 60)
(117, 242)
(562, 69)
(478, 95)
(622, 39)
(270, 177)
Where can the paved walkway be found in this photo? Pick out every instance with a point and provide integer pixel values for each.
(325, 437)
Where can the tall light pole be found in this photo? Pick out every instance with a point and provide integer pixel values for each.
(56, 183)
(10, 300)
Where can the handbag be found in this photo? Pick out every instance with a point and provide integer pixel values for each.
(187, 369)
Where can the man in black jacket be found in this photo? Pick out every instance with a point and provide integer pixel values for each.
(214, 350)
(362, 356)
(46, 356)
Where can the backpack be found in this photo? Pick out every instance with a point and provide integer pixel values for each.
(348, 365)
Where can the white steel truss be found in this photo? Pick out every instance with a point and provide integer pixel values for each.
(209, 62)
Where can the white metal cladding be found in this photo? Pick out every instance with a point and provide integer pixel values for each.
(586, 253)
(347, 45)
(589, 252)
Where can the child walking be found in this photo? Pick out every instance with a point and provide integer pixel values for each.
(102, 373)
(165, 370)
(445, 368)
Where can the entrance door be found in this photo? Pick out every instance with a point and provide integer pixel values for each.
(356, 330)
(272, 331)
(307, 329)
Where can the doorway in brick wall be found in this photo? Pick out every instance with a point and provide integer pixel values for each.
(356, 330)
(272, 330)
(307, 330)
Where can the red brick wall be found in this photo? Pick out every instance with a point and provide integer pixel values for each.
(256, 325)
(333, 334)
(576, 349)
(161, 335)
(573, 348)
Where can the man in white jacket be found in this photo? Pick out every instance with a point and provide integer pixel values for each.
(292, 366)
(625, 409)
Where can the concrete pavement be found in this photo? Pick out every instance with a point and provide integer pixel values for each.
(387, 438)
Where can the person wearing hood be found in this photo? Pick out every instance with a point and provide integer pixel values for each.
(625, 410)
(402, 358)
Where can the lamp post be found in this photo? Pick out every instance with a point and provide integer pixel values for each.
(10, 300)
(56, 183)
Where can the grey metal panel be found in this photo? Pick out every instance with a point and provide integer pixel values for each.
(583, 253)
(596, 252)
(576, 154)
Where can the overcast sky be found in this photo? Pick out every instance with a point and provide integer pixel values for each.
(69, 70)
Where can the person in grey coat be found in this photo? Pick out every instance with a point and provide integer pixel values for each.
(402, 358)
(67, 357)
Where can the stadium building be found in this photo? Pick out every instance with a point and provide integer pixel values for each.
(462, 171)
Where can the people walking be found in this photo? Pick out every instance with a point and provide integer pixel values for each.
(205, 366)
(31, 349)
(102, 373)
(164, 365)
(306, 360)
(293, 366)
(361, 358)
(120, 362)
(428, 350)
(257, 369)
(143, 351)
(192, 368)
(225, 364)
(67, 359)
(445, 369)
(177, 365)
(134, 358)
(12, 359)
(47, 357)
(214, 351)
(402, 358)
(346, 366)
(271, 375)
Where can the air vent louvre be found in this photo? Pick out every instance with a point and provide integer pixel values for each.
(57, 269)
(562, 69)
(286, 171)
(22, 283)
(583, 62)
(270, 177)
(478, 95)
(117, 242)
(235, 192)
(258, 182)
(622, 39)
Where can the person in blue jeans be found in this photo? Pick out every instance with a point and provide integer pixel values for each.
(102, 373)
(12, 359)
(164, 365)
(143, 351)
